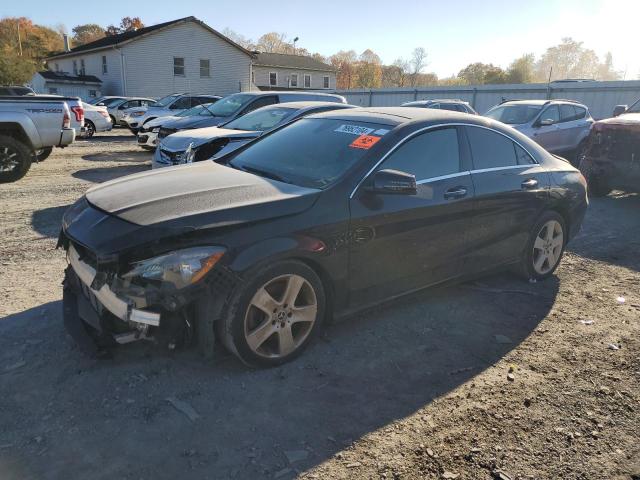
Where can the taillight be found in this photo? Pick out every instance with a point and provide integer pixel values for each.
(66, 118)
(103, 113)
(79, 113)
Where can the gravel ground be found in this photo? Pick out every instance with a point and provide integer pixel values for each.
(495, 379)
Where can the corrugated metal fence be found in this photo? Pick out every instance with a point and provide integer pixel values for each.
(600, 97)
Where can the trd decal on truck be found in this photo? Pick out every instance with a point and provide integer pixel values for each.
(44, 110)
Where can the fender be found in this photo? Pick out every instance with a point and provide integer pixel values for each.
(24, 122)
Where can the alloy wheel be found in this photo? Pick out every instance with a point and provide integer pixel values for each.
(280, 316)
(9, 159)
(547, 247)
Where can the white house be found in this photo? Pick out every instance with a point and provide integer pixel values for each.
(277, 71)
(183, 55)
(58, 83)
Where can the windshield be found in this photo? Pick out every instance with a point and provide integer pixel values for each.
(514, 114)
(109, 102)
(261, 119)
(197, 110)
(312, 152)
(227, 106)
(635, 108)
(164, 101)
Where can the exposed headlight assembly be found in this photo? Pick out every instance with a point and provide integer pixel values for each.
(180, 268)
(137, 114)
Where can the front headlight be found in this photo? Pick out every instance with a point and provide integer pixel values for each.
(180, 268)
(137, 114)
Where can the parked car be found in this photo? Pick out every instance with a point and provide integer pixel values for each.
(30, 126)
(148, 134)
(445, 104)
(118, 107)
(611, 158)
(136, 117)
(325, 216)
(560, 126)
(15, 90)
(105, 100)
(205, 143)
(77, 114)
(96, 119)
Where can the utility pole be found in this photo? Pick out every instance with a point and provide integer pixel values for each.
(19, 39)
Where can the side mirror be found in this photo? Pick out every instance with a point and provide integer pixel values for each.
(619, 110)
(393, 182)
(546, 122)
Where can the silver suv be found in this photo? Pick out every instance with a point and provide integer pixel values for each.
(452, 104)
(560, 126)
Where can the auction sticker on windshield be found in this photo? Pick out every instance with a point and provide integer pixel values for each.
(365, 141)
(354, 129)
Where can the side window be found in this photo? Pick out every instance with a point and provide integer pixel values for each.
(523, 157)
(181, 103)
(551, 113)
(260, 102)
(490, 149)
(580, 112)
(449, 106)
(567, 113)
(428, 155)
(434, 105)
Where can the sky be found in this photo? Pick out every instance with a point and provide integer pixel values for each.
(454, 32)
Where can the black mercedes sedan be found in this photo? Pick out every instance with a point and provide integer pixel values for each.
(331, 214)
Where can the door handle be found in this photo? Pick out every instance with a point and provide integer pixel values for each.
(455, 192)
(529, 184)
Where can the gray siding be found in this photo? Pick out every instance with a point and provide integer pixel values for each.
(111, 81)
(149, 63)
(600, 97)
(42, 85)
(261, 77)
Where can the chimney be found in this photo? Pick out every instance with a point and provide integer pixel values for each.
(65, 38)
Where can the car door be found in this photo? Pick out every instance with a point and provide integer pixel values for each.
(402, 242)
(545, 128)
(574, 126)
(511, 191)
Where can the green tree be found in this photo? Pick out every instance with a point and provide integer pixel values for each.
(521, 70)
(86, 33)
(480, 73)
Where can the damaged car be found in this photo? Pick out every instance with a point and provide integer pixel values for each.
(328, 215)
(204, 143)
(611, 159)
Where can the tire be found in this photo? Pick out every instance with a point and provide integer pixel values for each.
(42, 155)
(597, 184)
(113, 120)
(256, 334)
(90, 128)
(15, 159)
(542, 243)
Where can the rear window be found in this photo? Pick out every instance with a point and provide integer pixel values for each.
(312, 152)
(514, 114)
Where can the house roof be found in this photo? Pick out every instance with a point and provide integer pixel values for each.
(64, 78)
(264, 59)
(114, 40)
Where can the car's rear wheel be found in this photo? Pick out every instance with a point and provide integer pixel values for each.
(15, 159)
(43, 154)
(90, 128)
(275, 316)
(545, 247)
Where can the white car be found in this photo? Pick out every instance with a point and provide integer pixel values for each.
(118, 107)
(173, 104)
(96, 119)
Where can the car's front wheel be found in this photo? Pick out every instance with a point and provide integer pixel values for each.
(275, 315)
(545, 247)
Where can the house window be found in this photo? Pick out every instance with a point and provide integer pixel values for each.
(104, 64)
(75, 67)
(325, 81)
(82, 70)
(294, 80)
(93, 93)
(307, 81)
(204, 68)
(178, 66)
(53, 91)
(273, 79)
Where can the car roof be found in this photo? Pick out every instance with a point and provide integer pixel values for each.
(395, 116)
(302, 105)
(556, 101)
(436, 100)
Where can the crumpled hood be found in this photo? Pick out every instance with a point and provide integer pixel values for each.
(626, 121)
(197, 196)
(180, 141)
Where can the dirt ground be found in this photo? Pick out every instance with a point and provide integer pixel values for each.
(495, 379)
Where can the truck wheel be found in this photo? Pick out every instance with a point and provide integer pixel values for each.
(42, 155)
(15, 159)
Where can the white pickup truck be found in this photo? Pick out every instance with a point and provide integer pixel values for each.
(30, 127)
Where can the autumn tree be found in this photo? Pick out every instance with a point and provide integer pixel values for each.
(521, 70)
(86, 33)
(274, 42)
(480, 73)
(127, 24)
(418, 62)
(345, 64)
(369, 68)
(239, 39)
